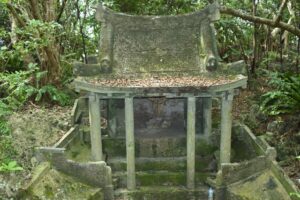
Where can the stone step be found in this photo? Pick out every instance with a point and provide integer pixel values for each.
(155, 147)
(162, 193)
(159, 178)
(147, 147)
(171, 164)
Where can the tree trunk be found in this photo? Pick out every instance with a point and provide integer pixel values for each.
(48, 56)
(254, 59)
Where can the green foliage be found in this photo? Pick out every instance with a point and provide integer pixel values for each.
(15, 90)
(157, 7)
(55, 95)
(4, 127)
(4, 22)
(30, 40)
(10, 166)
(295, 194)
(286, 96)
(7, 151)
(21, 86)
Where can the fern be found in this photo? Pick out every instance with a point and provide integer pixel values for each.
(54, 94)
(286, 96)
(20, 86)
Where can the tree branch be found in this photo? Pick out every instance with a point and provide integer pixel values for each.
(61, 11)
(290, 28)
(81, 28)
(281, 8)
(15, 14)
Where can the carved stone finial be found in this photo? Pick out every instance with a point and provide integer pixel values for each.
(100, 13)
(214, 11)
(105, 65)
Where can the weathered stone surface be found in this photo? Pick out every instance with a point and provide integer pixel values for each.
(50, 184)
(159, 178)
(276, 127)
(81, 69)
(138, 44)
(95, 127)
(238, 67)
(130, 143)
(163, 193)
(226, 125)
(92, 173)
(234, 172)
(262, 187)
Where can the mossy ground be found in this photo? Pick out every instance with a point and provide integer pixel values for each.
(57, 186)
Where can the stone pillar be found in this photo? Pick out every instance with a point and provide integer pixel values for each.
(130, 149)
(207, 116)
(112, 120)
(226, 125)
(191, 141)
(95, 127)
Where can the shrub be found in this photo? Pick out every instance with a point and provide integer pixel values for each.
(285, 98)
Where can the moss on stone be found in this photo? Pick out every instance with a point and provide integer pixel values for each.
(265, 186)
(79, 151)
(203, 148)
(162, 178)
(58, 186)
(114, 146)
(164, 193)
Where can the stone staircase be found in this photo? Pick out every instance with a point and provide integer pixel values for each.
(160, 168)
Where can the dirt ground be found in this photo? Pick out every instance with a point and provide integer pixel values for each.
(34, 126)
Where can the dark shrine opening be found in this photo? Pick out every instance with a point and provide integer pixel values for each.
(159, 117)
(154, 117)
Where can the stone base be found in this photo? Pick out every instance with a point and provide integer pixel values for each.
(50, 184)
(162, 193)
(159, 178)
(264, 186)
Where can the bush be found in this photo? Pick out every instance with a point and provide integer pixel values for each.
(21, 86)
(285, 98)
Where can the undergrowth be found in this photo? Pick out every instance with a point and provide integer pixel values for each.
(285, 97)
(16, 89)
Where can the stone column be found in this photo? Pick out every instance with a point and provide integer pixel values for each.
(130, 149)
(226, 125)
(207, 114)
(191, 141)
(95, 127)
(112, 120)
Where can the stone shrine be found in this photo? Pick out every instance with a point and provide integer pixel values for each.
(155, 119)
(159, 58)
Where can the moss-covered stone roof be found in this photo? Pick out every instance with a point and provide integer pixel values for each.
(161, 81)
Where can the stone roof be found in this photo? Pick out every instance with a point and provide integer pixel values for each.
(161, 81)
(157, 52)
